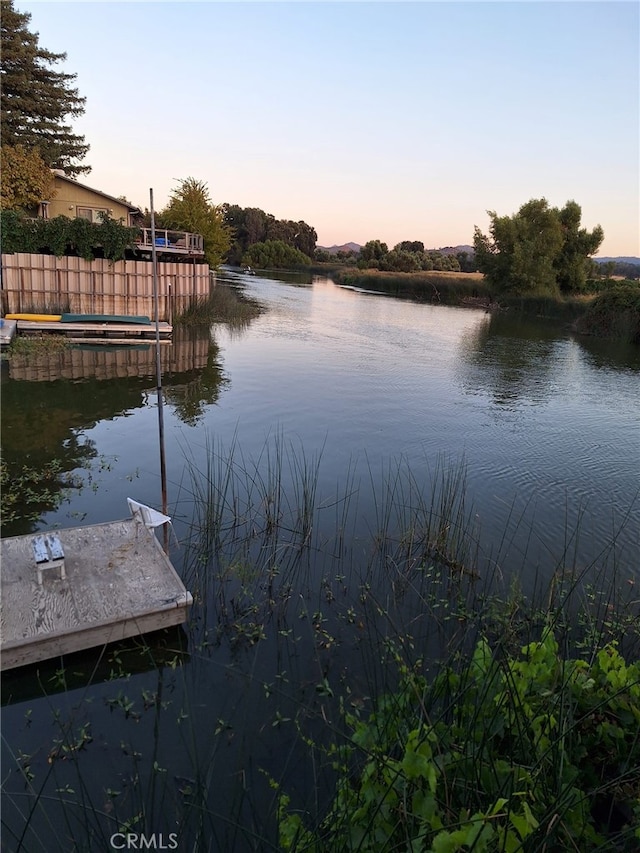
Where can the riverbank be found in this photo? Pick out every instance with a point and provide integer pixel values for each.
(444, 288)
(613, 314)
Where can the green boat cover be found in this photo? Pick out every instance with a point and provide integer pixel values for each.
(105, 318)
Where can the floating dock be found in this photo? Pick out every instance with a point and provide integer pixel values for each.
(116, 582)
(98, 333)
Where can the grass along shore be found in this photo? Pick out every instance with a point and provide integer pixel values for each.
(223, 304)
(612, 311)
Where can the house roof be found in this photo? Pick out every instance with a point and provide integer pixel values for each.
(132, 207)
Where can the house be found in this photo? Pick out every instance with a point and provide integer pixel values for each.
(74, 199)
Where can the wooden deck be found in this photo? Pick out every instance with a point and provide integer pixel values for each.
(99, 333)
(118, 583)
(170, 243)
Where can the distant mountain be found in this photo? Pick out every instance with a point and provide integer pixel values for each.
(355, 247)
(453, 250)
(345, 247)
(621, 260)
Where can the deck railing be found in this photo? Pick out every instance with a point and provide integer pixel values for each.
(174, 242)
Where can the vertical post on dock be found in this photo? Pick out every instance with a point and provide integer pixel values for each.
(163, 469)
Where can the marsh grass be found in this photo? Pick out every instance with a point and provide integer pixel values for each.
(470, 289)
(223, 304)
(441, 288)
(361, 674)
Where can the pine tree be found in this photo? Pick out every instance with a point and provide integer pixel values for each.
(37, 99)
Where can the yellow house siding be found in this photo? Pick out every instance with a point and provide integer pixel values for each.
(70, 197)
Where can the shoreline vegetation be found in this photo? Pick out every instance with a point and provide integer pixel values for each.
(611, 311)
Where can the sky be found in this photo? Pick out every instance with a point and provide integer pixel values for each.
(366, 120)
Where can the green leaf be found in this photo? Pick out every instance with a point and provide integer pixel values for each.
(449, 842)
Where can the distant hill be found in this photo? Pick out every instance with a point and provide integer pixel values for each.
(345, 247)
(453, 250)
(621, 260)
(355, 247)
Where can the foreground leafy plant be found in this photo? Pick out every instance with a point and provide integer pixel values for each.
(502, 753)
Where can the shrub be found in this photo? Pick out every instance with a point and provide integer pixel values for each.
(615, 313)
(63, 236)
(503, 753)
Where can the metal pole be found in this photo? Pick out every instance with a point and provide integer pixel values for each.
(163, 469)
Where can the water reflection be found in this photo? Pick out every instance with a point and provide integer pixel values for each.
(611, 354)
(512, 359)
(517, 360)
(167, 647)
(49, 403)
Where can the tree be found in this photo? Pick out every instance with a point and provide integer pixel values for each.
(538, 250)
(250, 225)
(467, 261)
(190, 209)
(410, 246)
(573, 264)
(26, 179)
(371, 254)
(275, 254)
(36, 100)
(400, 260)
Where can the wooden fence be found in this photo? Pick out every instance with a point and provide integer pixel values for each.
(46, 284)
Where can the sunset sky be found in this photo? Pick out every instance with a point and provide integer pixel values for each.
(367, 120)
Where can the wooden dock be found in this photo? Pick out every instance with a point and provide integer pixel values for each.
(117, 583)
(98, 333)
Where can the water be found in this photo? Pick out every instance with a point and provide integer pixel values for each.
(546, 425)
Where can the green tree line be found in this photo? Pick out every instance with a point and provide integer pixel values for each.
(251, 225)
(408, 256)
(621, 268)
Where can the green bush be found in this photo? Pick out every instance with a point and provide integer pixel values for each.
(63, 236)
(275, 254)
(615, 313)
(508, 752)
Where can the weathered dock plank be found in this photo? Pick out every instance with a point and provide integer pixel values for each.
(118, 583)
(120, 333)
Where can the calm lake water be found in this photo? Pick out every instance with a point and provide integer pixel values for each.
(355, 388)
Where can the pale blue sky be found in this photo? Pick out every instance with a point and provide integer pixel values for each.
(390, 121)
